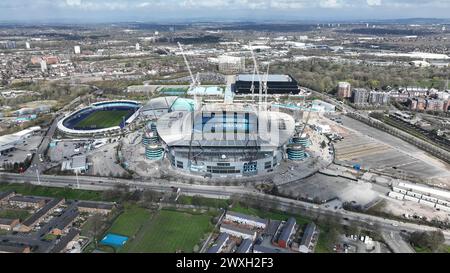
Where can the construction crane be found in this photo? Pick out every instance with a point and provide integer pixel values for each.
(266, 87)
(306, 123)
(256, 69)
(195, 83)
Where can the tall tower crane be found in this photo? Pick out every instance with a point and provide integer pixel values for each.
(195, 82)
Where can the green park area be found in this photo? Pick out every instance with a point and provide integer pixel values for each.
(164, 231)
(103, 119)
(14, 214)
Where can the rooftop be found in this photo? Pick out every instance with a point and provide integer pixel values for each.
(270, 78)
(96, 205)
(248, 217)
(287, 229)
(27, 199)
(307, 235)
(245, 246)
(7, 221)
(238, 229)
(44, 210)
(221, 240)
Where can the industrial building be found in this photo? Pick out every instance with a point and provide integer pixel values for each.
(8, 142)
(276, 84)
(225, 140)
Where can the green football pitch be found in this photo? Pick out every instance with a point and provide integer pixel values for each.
(103, 119)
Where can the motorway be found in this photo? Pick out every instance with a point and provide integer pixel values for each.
(284, 204)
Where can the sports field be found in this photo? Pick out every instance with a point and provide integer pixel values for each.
(103, 119)
(129, 222)
(164, 231)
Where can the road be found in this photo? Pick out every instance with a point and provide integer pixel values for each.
(396, 242)
(284, 204)
(35, 163)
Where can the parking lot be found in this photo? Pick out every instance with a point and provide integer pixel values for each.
(323, 187)
(64, 150)
(22, 150)
(374, 149)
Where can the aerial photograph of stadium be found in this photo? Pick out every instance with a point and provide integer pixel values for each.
(260, 127)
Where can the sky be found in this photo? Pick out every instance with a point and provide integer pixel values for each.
(236, 10)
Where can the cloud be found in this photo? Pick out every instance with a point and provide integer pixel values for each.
(247, 9)
(330, 3)
(73, 2)
(374, 2)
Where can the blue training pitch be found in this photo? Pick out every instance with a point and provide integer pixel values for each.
(114, 240)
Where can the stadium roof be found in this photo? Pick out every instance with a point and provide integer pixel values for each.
(274, 128)
(270, 78)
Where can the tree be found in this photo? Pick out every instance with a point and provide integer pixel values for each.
(196, 200)
(432, 240)
(151, 196)
(96, 226)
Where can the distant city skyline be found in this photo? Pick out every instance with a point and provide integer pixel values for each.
(237, 10)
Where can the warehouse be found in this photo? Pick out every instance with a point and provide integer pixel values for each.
(276, 84)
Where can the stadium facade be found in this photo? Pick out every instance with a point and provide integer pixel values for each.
(225, 140)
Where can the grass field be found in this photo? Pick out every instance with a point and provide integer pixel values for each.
(103, 119)
(170, 231)
(203, 201)
(14, 214)
(28, 189)
(130, 221)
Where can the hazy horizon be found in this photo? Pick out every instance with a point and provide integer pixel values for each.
(103, 11)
